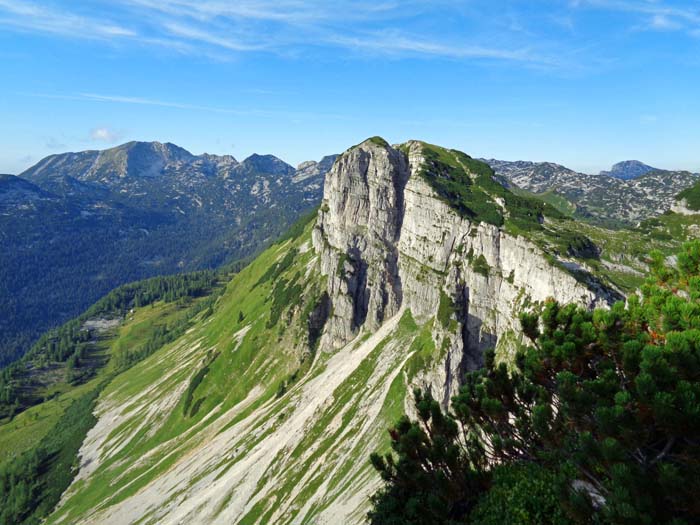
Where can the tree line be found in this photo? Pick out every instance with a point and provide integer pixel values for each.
(68, 344)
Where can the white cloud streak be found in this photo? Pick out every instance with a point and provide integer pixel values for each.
(391, 43)
(660, 15)
(216, 28)
(194, 34)
(223, 30)
(292, 12)
(37, 18)
(139, 101)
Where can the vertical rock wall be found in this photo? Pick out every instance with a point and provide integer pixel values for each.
(386, 240)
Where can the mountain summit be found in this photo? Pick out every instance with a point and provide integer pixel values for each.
(628, 169)
(133, 159)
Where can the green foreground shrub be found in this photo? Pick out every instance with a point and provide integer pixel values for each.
(597, 422)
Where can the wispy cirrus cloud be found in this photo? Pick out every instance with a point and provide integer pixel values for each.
(469, 31)
(395, 44)
(292, 12)
(297, 116)
(664, 23)
(284, 27)
(198, 35)
(662, 15)
(39, 18)
(141, 101)
(32, 17)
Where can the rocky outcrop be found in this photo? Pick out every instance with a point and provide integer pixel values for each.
(358, 231)
(614, 195)
(681, 207)
(386, 241)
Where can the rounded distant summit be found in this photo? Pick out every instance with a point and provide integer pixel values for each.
(628, 169)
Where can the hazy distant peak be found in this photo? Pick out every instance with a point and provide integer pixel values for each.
(326, 162)
(219, 159)
(312, 168)
(267, 164)
(628, 169)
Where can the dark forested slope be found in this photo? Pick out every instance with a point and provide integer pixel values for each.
(76, 225)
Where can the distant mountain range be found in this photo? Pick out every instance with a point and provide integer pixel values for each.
(148, 208)
(627, 194)
(130, 212)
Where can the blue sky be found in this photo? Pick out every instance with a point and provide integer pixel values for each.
(584, 82)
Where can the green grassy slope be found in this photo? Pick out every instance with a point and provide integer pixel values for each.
(39, 446)
(75, 352)
(31, 425)
(269, 421)
(593, 253)
(469, 186)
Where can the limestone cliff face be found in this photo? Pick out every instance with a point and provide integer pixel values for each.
(358, 232)
(386, 240)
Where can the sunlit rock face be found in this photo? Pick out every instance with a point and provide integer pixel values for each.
(387, 241)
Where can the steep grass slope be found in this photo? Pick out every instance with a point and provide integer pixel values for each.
(237, 422)
(39, 445)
